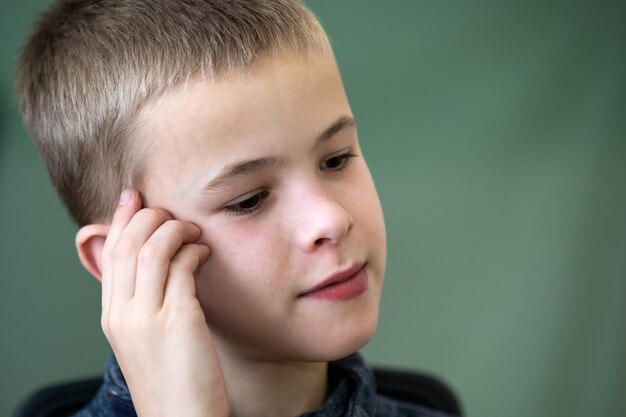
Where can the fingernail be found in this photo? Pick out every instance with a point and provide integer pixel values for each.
(206, 254)
(125, 197)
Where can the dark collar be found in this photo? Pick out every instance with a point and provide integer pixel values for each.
(351, 385)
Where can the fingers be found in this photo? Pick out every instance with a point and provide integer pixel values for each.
(130, 203)
(141, 249)
(155, 256)
(180, 282)
(129, 245)
(149, 259)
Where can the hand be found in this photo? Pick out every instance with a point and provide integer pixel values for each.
(151, 316)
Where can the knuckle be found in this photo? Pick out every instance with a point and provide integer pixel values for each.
(172, 225)
(146, 215)
(118, 327)
(123, 247)
(155, 215)
(185, 258)
(167, 229)
(149, 252)
(175, 227)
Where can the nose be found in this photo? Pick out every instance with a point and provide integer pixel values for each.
(322, 221)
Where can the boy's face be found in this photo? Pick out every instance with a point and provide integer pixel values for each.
(268, 165)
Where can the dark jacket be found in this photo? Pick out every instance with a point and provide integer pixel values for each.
(352, 386)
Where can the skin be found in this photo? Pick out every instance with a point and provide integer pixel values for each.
(203, 288)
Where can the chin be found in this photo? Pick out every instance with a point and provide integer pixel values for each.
(338, 345)
(350, 347)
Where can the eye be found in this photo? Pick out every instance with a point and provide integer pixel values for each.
(248, 205)
(337, 162)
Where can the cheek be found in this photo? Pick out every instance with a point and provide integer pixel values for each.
(366, 206)
(243, 287)
(369, 217)
(244, 263)
(243, 245)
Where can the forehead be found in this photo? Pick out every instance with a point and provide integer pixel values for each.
(282, 100)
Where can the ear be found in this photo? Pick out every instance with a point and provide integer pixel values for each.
(89, 244)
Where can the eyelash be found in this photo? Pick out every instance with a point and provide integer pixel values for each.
(344, 161)
(258, 198)
(237, 209)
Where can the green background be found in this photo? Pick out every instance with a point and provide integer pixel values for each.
(496, 132)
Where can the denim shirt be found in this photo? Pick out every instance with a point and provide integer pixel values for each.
(353, 395)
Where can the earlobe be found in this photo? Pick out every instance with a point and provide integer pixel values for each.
(89, 244)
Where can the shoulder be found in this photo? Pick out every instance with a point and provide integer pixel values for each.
(113, 398)
(387, 407)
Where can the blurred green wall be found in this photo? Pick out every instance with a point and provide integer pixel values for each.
(496, 132)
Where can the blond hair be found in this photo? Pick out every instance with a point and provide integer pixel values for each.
(90, 65)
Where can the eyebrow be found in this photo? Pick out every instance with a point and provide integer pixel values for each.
(230, 173)
(343, 123)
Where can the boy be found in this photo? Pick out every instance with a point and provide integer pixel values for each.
(247, 248)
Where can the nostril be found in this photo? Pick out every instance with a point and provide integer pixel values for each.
(320, 241)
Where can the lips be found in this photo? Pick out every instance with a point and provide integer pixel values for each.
(341, 285)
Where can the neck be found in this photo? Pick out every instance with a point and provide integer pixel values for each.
(259, 388)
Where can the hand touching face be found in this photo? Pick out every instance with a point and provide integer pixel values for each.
(268, 165)
(151, 315)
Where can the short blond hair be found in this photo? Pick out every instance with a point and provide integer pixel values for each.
(90, 65)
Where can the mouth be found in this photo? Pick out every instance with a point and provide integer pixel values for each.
(340, 286)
